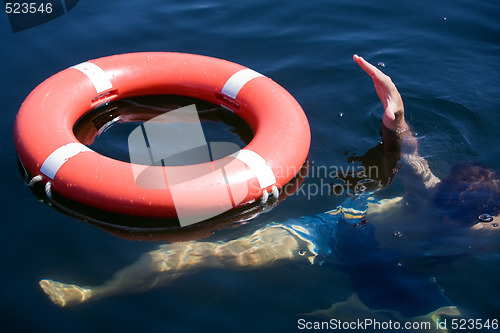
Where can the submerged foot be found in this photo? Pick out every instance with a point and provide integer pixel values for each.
(64, 294)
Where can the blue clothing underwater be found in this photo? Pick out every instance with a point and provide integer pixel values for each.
(344, 238)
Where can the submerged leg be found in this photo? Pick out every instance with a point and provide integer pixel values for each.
(353, 310)
(154, 268)
(171, 261)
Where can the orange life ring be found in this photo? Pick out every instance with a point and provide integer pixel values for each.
(47, 146)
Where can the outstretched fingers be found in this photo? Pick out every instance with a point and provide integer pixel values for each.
(368, 68)
(376, 74)
(388, 94)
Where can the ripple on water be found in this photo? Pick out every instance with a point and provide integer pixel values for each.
(446, 130)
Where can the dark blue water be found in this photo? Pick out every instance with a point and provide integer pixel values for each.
(442, 55)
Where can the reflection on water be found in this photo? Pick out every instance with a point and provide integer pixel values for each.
(444, 128)
(106, 129)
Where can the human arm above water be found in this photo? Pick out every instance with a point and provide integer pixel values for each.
(400, 146)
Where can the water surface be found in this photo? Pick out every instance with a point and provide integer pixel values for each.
(443, 56)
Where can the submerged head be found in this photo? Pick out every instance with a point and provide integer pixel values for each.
(469, 191)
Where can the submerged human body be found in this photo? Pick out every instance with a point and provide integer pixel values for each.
(340, 236)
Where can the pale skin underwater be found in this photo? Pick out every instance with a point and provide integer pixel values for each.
(268, 246)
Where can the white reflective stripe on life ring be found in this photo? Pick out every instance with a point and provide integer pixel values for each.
(97, 76)
(258, 165)
(233, 86)
(61, 155)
